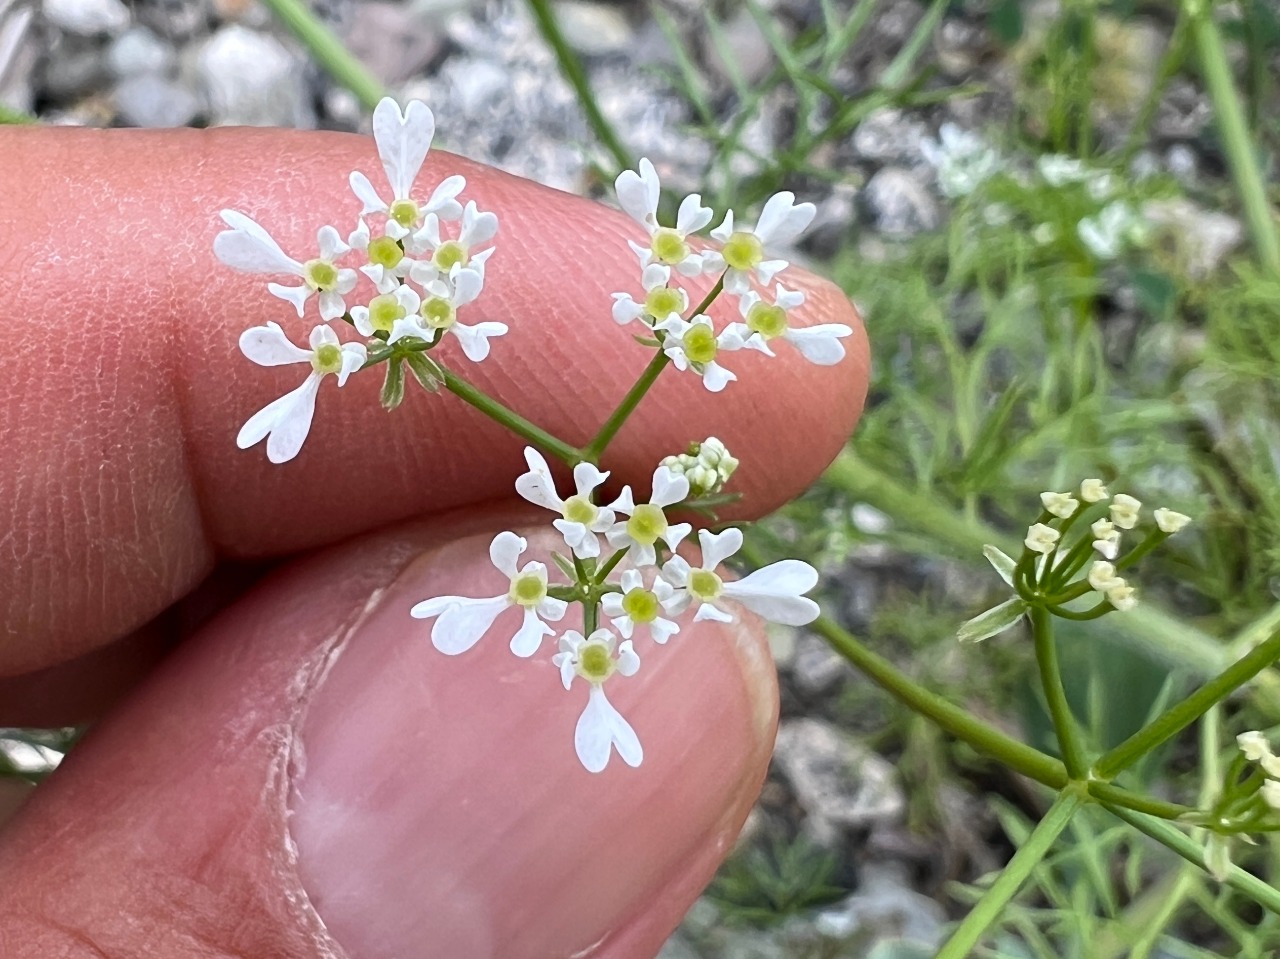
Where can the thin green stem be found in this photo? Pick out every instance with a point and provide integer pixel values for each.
(1029, 855)
(328, 51)
(1055, 694)
(1186, 847)
(1236, 141)
(573, 71)
(512, 420)
(1179, 717)
(1106, 792)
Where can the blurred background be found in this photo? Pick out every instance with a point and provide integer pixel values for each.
(1059, 221)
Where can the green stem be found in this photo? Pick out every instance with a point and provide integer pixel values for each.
(1178, 718)
(1029, 855)
(327, 50)
(1236, 140)
(573, 71)
(595, 449)
(1106, 792)
(1168, 835)
(1064, 724)
(512, 420)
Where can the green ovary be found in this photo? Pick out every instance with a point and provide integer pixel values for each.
(664, 301)
(743, 251)
(438, 314)
(767, 319)
(449, 254)
(327, 359)
(385, 252)
(668, 246)
(384, 310)
(646, 524)
(704, 584)
(404, 212)
(579, 509)
(700, 344)
(528, 589)
(641, 605)
(595, 663)
(320, 274)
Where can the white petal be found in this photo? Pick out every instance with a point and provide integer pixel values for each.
(715, 377)
(623, 624)
(505, 550)
(403, 141)
(819, 344)
(407, 326)
(712, 612)
(725, 229)
(692, 215)
(611, 604)
(537, 485)
(782, 219)
(774, 592)
(268, 346)
(628, 660)
(625, 309)
(250, 248)
(297, 295)
(642, 555)
(552, 609)
(353, 357)
(624, 503)
(660, 630)
(367, 195)
(464, 622)
(638, 193)
(477, 227)
(676, 571)
(655, 275)
(675, 535)
(467, 285)
(737, 282)
(475, 339)
(564, 662)
(444, 198)
(359, 237)
(668, 487)
(717, 547)
(529, 636)
(586, 477)
(766, 270)
(692, 265)
(600, 728)
(332, 305)
(330, 243)
(284, 422)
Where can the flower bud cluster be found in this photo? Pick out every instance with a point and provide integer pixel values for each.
(706, 465)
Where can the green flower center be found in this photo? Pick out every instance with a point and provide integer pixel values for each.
(327, 359)
(646, 524)
(743, 251)
(664, 301)
(704, 584)
(528, 589)
(767, 319)
(641, 605)
(385, 252)
(438, 313)
(594, 662)
(668, 246)
(320, 274)
(700, 344)
(384, 310)
(404, 212)
(579, 509)
(449, 254)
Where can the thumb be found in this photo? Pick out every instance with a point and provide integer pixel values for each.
(309, 778)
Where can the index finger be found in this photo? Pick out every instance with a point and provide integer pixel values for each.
(121, 484)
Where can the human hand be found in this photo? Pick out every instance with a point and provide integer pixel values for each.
(305, 776)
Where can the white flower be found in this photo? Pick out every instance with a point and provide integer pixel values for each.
(249, 248)
(462, 621)
(1106, 233)
(1102, 576)
(774, 592)
(1169, 521)
(438, 314)
(1124, 510)
(403, 140)
(646, 523)
(638, 195)
(600, 728)
(1062, 505)
(693, 344)
(477, 228)
(1041, 538)
(768, 321)
(963, 160)
(580, 518)
(1271, 793)
(385, 310)
(1254, 745)
(742, 254)
(285, 422)
(1092, 491)
(660, 302)
(1122, 597)
(638, 606)
(1107, 538)
(387, 264)
(1059, 170)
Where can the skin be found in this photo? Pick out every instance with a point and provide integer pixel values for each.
(302, 775)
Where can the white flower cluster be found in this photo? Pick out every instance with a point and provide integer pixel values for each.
(691, 342)
(1257, 749)
(707, 466)
(422, 260)
(963, 160)
(652, 593)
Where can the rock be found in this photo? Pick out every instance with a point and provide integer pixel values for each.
(73, 68)
(394, 42)
(87, 18)
(147, 100)
(899, 204)
(752, 56)
(678, 947)
(175, 19)
(1199, 239)
(888, 135)
(251, 78)
(593, 29)
(1183, 163)
(815, 667)
(138, 50)
(885, 909)
(960, 46)
(838, 783)
(19, 54)
(1184, 111)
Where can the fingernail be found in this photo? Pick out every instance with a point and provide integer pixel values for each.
(441, 809)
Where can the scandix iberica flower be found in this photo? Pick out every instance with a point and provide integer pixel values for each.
(412, 270)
